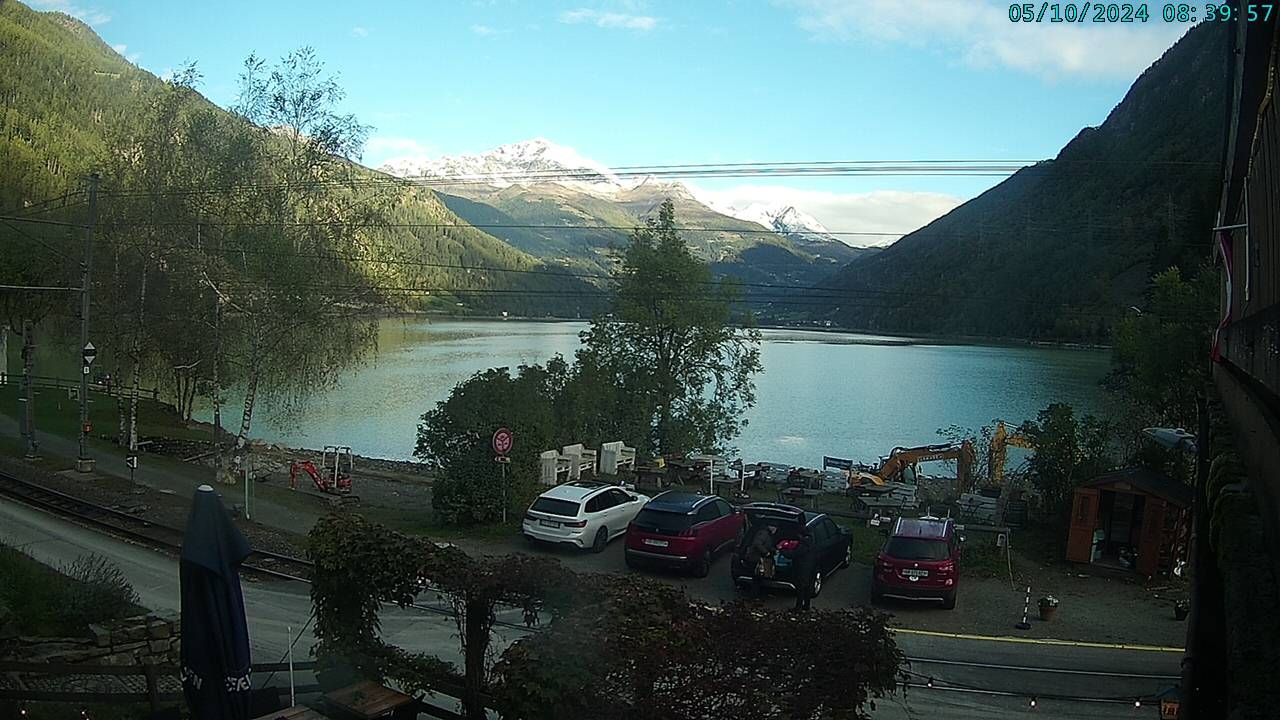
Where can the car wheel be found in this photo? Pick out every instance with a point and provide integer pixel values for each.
(702, 567)
(877, 594)
(631, 562)
(817, 584)
(602, 539)
(949, 601)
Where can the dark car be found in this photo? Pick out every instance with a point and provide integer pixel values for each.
(919, 561)
(682, 529)
(765, 554)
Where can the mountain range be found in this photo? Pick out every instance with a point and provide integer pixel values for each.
(552, 202)
(1061, 248)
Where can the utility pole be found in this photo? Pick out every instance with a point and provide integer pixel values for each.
(84, 463)
(28, 388)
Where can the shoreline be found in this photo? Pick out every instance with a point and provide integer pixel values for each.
(890, 338)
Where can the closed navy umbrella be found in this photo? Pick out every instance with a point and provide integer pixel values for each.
(215, 636)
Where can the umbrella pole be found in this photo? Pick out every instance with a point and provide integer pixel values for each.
(292, 699)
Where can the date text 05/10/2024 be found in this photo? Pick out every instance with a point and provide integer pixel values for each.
(1102, 12)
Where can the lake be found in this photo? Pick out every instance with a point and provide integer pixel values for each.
(846, 395)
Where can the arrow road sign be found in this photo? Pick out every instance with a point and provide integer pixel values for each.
(90, 352)
(503, 439)
(131, 461)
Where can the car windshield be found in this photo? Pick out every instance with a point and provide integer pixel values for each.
(662, 521)
(905, 548)
(552, 506)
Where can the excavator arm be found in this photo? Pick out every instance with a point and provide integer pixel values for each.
(900, 458)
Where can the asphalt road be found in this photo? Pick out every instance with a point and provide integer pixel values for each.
(964, 663)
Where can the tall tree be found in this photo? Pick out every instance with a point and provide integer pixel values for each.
(1160, 353)
(1068, 451)
(302, 314)
(671, 346)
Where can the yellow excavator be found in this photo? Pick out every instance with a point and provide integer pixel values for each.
(1001, 439)
(901, 464)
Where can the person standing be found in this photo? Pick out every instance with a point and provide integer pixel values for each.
(805, 559)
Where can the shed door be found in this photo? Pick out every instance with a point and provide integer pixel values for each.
(1152, 533)
(1084, 518)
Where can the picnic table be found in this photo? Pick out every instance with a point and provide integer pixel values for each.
(800, 494)
(368, 700)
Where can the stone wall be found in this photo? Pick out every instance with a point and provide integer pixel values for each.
(141, 640)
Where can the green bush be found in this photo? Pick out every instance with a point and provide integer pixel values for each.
(99, 591)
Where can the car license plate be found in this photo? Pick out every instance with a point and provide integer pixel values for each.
(915, 573)
(655, 543)
(549, 523)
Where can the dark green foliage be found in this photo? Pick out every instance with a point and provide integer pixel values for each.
(647, 652)
(1060, 249)
(611, 646)
(103, 593)
(456, 436)
(46, 602)
(1068, 451)
(670, 345)
(1160, 357)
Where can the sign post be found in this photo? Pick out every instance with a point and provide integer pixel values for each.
(132, 462)
(88, 354)
(503, 439)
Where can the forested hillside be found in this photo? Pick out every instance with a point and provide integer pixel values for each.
(68, 102)
(1061, 249)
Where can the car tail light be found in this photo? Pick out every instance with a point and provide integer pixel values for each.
(788, 545)
(688, 532)
(579, 524)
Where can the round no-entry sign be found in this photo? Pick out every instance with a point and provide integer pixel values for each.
(503, 439)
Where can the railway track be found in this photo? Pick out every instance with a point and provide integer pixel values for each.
(136, 528)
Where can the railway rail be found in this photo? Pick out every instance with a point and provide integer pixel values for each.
(138, 529)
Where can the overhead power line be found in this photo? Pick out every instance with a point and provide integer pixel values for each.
(850, 168)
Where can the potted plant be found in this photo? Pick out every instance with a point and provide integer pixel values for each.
(1048, 606)
(1180, 610)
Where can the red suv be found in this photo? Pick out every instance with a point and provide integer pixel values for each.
(919, 561)
(683, 529)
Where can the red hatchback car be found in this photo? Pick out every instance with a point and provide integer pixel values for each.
(919, 561)
(682, 529)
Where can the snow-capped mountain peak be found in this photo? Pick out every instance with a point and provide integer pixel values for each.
(525, 163)
(782, 218)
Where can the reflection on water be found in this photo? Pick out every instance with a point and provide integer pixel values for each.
(820, 393)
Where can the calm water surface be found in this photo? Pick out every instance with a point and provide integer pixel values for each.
(845, 395)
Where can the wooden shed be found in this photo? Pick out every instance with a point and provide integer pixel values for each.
(1133, 519)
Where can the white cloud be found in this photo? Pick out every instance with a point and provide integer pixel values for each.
(359, 31)
(379, 150)
(89, 15)
(980, 34)
(608, 19)
(487, 31)
(123, 51)
(879, 211)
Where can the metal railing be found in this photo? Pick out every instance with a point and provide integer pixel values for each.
(73, 386)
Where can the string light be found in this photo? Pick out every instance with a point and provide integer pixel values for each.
(1137, 702)
(1033, 702)
(930, 683)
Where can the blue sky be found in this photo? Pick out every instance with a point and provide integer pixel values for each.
(629, 82)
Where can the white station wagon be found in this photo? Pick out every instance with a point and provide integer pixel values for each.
(584, 513)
